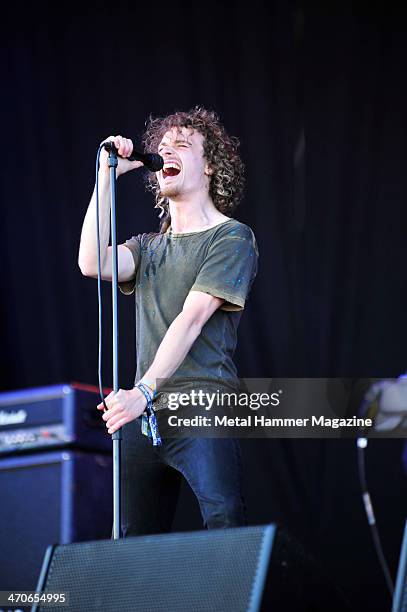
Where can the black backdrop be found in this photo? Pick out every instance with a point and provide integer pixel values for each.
(319, 103)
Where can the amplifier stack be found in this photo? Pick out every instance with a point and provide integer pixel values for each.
(55, 476)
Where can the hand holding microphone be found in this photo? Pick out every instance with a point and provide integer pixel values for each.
(128, 159)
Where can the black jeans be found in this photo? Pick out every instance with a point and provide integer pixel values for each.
(151, 478)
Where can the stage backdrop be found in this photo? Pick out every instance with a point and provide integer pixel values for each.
(319, 104)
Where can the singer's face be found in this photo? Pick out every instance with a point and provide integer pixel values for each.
(185, 172)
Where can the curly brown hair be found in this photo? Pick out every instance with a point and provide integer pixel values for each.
(220, 151)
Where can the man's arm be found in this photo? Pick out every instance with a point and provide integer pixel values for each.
(124, 406)
(87, 259)
(181, 334)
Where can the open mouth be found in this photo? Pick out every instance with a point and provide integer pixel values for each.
(171, 169)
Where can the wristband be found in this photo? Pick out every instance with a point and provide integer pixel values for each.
(152, 386)
(149, 424)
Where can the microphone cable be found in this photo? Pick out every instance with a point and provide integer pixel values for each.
(361, 444)
(99, 280)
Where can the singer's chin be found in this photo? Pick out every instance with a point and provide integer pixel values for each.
(169, 191)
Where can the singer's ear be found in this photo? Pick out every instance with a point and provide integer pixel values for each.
(208, 170)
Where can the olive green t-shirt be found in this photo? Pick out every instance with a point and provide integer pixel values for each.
(221, 261)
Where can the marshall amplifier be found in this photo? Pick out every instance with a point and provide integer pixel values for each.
(50, 417)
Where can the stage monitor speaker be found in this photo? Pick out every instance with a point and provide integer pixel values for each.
(229, 570)
(50, 498)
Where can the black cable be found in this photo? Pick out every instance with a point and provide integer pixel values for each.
(99, 279)
(361, 444)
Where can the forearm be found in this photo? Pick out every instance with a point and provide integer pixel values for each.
(173, 349)
(88, 245)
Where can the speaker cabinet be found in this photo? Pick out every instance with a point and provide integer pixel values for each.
(229, 570)
(50, 498)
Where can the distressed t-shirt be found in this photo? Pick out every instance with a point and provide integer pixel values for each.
(221, 261)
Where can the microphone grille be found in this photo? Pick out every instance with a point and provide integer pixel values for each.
(154, 162)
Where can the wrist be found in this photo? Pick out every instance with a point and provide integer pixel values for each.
(150, 383)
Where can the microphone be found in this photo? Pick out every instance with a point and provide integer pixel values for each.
(152, 161)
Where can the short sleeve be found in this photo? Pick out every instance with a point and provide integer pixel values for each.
(133, 244)
(229, 269)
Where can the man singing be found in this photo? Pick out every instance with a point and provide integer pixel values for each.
(191, 280)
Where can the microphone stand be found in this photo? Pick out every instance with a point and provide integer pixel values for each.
(117, 435)
(154, 162)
